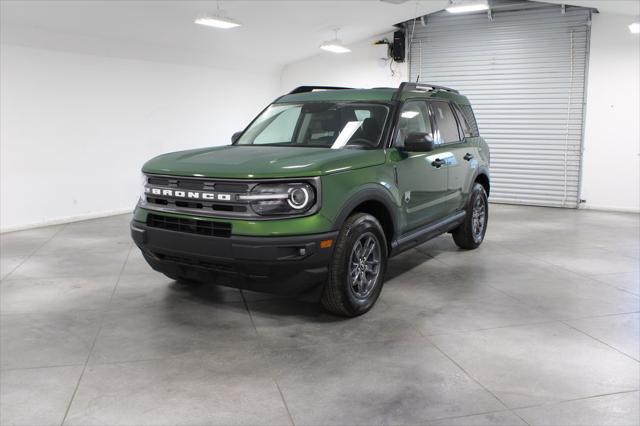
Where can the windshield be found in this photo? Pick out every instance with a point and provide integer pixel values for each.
(318, 124)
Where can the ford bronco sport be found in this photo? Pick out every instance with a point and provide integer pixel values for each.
(315, 195)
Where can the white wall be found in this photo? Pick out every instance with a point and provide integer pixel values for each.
(611, 161)
(363, 67)
(75, 129)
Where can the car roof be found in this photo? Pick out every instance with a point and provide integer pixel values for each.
(378, 94)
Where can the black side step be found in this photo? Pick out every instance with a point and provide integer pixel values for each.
(427, 232)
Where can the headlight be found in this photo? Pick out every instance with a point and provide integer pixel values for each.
(281, 198)
(143, 187)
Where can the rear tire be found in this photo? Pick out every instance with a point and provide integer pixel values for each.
(470, 234)
(356, 273)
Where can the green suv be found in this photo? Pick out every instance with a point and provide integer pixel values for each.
(315, 195)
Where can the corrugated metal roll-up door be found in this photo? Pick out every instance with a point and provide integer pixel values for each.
(524, 72)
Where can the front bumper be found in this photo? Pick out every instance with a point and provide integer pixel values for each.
(292, 265)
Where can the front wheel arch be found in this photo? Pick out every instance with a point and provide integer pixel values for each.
(376, 203)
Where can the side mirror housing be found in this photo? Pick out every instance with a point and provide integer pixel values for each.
(236, 136)
(418, 142)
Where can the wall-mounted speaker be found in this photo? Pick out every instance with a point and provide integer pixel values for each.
(398, 46)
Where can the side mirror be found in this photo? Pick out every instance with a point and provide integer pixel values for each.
(236, 136)
(418, 142)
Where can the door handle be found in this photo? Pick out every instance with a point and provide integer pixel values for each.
(437, 163)
(468, 156)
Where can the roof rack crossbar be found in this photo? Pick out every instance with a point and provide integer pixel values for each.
(305, 89)
(406, 86)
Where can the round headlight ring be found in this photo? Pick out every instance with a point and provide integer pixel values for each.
(298, 197)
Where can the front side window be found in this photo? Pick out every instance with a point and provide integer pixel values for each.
(318, 124)
(414, 118)
(445, 121)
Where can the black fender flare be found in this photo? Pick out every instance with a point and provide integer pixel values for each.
(482, 170)
(369, 194)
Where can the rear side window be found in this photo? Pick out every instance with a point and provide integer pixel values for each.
(447, 125)
(471, 120)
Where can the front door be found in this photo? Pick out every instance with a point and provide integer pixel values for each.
(422, 176)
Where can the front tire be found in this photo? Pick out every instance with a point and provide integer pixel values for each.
(357, 268)
(470, 234)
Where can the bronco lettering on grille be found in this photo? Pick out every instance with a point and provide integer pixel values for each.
(193, 195)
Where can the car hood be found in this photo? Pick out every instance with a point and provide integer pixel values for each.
(243, 162)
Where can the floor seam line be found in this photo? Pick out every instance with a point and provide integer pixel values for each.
(246, 306)
(438, 419)
(467, 373)
(274, 376)
(598, 340)
(579, 274)
(284, 401)
(30, 255)
(564, 401)
(95, 339)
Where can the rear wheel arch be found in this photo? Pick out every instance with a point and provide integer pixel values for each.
(483, 179)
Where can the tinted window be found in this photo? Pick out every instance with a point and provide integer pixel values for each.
(414, 118)
(471, 119)
(466, 131)
(446, 122)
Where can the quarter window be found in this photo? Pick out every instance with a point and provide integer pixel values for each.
(466, 131)
(471, 119)
(447, 126)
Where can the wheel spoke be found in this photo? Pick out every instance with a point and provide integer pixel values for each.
(478, 216)
(371, 244)
(364, 265)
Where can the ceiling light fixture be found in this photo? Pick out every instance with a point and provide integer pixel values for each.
(217, 20)
(335, 45)
(463, 6)
(635, 28)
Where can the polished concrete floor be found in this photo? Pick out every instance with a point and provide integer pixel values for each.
(539, 326)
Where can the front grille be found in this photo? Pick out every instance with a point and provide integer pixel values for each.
(191, 226)
(230, 207)
(198, 184)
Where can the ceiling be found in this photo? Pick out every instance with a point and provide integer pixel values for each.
(619, 7)
(273, 34)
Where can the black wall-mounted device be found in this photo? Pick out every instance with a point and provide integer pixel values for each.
(398, 46)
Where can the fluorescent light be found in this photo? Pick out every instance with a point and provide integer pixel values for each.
(334, 46)
(409, 114)
(635, 28)
(467, 6)
(217, 21)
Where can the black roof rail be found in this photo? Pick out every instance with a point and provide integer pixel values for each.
(305, 89)
(406, 86)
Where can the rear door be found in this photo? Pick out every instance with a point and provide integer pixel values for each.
(451, 140)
